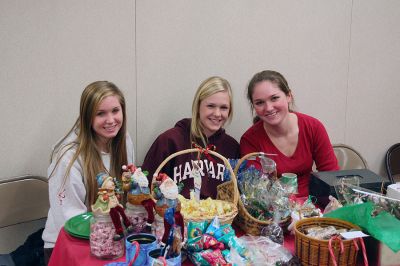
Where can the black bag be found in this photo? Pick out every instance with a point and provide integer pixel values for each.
(31, 252)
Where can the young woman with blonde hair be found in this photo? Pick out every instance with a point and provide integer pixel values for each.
(98, 142)
(212, 107)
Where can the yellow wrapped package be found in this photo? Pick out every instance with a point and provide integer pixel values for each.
(207, 209)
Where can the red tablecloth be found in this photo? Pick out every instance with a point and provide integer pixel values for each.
(72, 251)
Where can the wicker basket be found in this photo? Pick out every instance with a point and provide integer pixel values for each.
(227, 191)
(137, 199)
(312, 251)
(244, 220)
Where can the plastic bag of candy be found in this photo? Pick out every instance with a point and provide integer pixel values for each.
(257, 250)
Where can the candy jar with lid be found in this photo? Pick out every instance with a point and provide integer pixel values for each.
(136, 184)
(137, 214)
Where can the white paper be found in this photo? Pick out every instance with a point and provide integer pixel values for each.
(353, 234)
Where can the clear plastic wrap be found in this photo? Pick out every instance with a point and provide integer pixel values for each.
(258, 250)
(264, 196)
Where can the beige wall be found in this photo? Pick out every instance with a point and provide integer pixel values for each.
(340, 58)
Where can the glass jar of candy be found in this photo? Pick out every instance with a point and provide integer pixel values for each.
(157, 228)
(137, 214)
(102, 244)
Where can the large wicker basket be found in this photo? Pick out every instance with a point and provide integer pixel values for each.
(315, 252)
(244, 219)
(227, 191)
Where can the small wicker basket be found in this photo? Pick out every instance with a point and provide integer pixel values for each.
(315, 252)
(137, 199)
(244, 219)
(227, 191)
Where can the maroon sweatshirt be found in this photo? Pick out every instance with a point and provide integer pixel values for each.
(180, 167)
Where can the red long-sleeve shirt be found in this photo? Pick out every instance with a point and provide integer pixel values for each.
(313, 145)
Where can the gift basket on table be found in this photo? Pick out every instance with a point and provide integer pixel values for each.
(251, 218)
(318, 242)
(227, 193)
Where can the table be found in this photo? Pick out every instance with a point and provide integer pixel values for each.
(72, 251)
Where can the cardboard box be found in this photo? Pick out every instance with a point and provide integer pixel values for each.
(379, 254)
(393, 191)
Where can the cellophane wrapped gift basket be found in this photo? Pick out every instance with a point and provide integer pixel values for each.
(263, 198)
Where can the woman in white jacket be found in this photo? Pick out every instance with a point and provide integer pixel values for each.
(98, 142)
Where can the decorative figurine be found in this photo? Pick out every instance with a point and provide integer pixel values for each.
(107, 203)
(166, 193)
(136, 184)
(173, 243)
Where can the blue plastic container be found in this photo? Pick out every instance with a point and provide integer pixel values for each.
(146, 242)
(155, 253)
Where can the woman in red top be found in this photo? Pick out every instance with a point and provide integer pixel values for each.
(298, 140)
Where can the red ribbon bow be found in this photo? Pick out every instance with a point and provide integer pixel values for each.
(205, 151)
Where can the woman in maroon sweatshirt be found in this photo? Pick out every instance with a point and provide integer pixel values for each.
(211, 109)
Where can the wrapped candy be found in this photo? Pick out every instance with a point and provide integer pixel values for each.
(102, 244)
(332, 205)
(211, 242)
(324, 233)
(195, 244)
(224, 230)
(196, 229)
(259, 251)
(305, 210)
(214, 237)
(213, 257)
(239, 246)
(274, 232)
(213, 227)
(198, 259)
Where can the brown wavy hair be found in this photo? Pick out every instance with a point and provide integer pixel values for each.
(85, 143)
(274, 77)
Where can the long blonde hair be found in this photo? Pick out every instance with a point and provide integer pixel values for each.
(85, 142)
(207, 88)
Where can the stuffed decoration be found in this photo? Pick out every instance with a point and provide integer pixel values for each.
(107, 203)
(166, 193)
(136, 184)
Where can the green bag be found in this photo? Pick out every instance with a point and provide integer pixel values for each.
(384, 227)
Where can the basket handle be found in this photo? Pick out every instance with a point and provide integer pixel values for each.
(216, 154)
(137, 250)
(331, 250)
(364, 251)
(245, 157)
